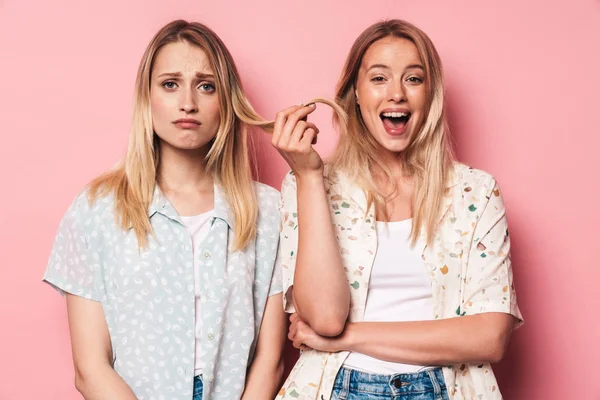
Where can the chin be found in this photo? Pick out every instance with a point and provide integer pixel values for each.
(186, 145)
(394, 146)
(193, 147)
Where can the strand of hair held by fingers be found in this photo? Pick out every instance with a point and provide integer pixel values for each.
(268, 126)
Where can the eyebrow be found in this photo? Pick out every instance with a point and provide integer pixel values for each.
(199, 75)
(418, 66)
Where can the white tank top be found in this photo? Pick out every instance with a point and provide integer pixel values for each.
(198, 226)
(399, 290)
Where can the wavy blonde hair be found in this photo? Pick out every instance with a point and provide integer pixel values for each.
(133, 181)
(428, 158)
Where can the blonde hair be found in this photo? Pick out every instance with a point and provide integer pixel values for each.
(428, 157)
(133, 181)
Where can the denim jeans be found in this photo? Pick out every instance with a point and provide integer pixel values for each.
(356, 385)
(197, 388)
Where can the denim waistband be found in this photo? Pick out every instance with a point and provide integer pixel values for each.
(429, 380)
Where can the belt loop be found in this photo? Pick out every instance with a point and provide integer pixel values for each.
(437, 390)
(345, 392)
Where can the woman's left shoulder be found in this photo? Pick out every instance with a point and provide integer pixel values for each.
(469, 179)
(268, 199)
(266, 194)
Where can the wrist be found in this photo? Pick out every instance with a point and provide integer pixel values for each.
(309, 178)
(345, 342)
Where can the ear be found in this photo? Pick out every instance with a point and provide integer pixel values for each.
(356, 95)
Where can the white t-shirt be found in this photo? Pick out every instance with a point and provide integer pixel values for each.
(198, 226)
(399, 290)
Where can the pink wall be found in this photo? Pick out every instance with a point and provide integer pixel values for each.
(523, 80)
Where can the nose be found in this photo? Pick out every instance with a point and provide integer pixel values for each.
(188, 102)
(396, 92)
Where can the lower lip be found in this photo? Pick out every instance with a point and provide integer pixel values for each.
(395, 131)
(187, 125)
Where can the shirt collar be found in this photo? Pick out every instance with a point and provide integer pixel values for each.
(160, 204)
(357, 194)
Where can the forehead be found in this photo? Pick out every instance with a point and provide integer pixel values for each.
(391, 51)
(182, 57)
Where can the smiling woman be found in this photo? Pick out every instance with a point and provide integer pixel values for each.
(387, 64)
(168, 262)
(395, 257)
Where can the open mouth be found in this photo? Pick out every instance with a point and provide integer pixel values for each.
(395, 120)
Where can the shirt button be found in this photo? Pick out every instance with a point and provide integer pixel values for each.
(206, 255)
(211, 336)
(208, 296)
(211, 379)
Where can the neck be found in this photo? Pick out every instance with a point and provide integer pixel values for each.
(183, 170)
(393, 163)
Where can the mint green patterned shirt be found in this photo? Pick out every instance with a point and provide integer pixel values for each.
(148, 296)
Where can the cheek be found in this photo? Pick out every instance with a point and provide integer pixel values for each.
(370, 97)
(418, 98)
(159, 107)
(212, 110)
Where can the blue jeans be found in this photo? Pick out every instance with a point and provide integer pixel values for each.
(355, 385)
(198, 388)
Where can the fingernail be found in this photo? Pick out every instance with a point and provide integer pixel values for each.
(300, 104)
(311, 105)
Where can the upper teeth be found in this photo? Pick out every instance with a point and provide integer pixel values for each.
(395, 114)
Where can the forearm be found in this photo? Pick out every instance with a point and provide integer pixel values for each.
(321, 291)
(102, 383)
(468, 339)
(264, 378)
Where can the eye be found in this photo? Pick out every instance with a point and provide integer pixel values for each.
(170, 85)
(414, 79)
(378, 79)
(207, 87)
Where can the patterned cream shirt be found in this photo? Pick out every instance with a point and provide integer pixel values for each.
(468, 264)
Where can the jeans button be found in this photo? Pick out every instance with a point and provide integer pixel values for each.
(397, 383)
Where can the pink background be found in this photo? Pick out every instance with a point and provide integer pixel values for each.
(523, 82)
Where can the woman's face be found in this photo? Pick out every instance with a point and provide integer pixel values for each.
(184, 102)
(391, 92)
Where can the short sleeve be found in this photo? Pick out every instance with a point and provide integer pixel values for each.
(288, 238)
(72, 267)
(276, 285)
(489, 283)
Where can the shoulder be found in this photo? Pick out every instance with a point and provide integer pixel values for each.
(265, 195)
(477, 190)
(468, 179)
(85, 214)
(267, 198)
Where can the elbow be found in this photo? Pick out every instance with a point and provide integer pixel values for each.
(80, 380)
(86, 377)
(329, 323)
(496, 353)
(329, 327)
(496, 331)
(495, 356)
(496, 348)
